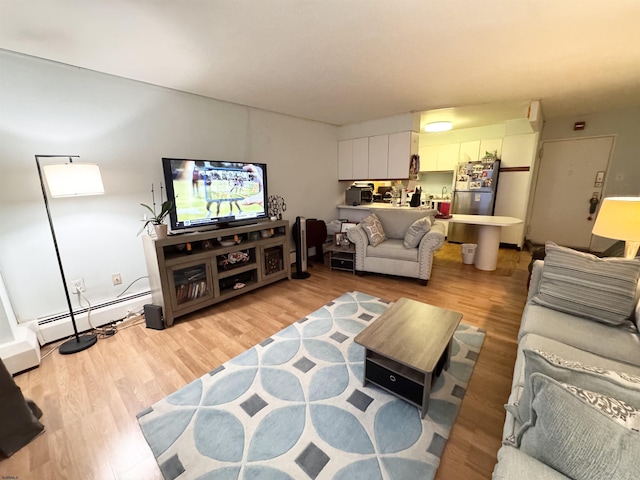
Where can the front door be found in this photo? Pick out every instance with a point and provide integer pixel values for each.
(568, 179)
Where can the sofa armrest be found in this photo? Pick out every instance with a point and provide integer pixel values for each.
(516, 465)
(430, 243)
(536, 276)
(358, 237)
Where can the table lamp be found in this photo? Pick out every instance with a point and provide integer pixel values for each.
(69, 180)
(619, 218)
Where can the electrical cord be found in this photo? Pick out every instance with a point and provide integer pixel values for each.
(102, 332)
(129, 286)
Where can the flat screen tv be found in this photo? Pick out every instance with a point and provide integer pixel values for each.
(213, 193)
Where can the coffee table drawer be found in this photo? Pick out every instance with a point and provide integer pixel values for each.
(395, 382)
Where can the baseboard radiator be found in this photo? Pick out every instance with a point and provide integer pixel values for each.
(57, 327)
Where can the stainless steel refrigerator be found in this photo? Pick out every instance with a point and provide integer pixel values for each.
(475, 194)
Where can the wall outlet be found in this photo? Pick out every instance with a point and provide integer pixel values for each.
(116, 279)
(77, 286)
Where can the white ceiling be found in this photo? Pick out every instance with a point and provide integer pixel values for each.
(347, 61)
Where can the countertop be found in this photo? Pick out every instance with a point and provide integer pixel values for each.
(377, 205)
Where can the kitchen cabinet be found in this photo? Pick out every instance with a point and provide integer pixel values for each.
(491, 145)
(353, 159)
(360, 158)
(511, 201)
(514, 186)
(518, 150)
(380, 157)
(469, 151)
(436, 158)
(402, 146)
(345, 160)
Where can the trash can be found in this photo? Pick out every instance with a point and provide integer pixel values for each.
(468, 253)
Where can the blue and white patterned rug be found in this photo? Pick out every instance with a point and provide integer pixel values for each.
(293, 407)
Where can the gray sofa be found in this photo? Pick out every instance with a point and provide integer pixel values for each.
(391, 256)
(576, 349)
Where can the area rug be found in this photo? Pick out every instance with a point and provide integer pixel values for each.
(293, 407)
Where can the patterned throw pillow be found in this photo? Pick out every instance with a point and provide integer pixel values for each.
(575, 437)
(617, 410)
(616, 384)
(416, 231)
(587, 286)
(374, 229)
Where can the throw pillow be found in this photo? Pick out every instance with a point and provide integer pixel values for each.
(373, 227)
(620, 385)
(617, 410)
(416, 231)
(572, 436)
(587, 286)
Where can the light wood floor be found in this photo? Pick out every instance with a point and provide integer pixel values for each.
(90, 399)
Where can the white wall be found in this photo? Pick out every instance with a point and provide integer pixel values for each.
(126, 127)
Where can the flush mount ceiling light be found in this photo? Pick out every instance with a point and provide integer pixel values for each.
(438, 127)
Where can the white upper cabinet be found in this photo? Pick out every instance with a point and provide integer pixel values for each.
(469, 151)
(518, 150)
(345, 160)
(448, 157)
(401, 146)
(439, 158)
(493, 145)
(378, 155)
(381, 157)
(360, 158)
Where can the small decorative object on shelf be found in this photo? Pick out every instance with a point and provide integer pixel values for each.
(276, 207)
(233, 259)
(228, 241)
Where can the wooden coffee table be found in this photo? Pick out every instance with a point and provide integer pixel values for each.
(407, 348)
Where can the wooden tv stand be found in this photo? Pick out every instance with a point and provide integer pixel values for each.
(191, 271)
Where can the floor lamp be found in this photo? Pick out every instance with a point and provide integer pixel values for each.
(69, 180)
(619, 218)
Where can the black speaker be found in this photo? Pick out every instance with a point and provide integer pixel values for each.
(300, 239)
(153, 317)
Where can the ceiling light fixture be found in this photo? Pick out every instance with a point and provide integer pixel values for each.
(438, 127)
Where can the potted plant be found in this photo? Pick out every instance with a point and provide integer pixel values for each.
(157, 220)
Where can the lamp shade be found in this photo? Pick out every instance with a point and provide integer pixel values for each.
(73, 179)
(619, 218)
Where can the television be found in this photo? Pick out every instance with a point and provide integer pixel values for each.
(213, 193)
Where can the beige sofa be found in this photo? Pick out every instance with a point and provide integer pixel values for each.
(566, 341)
(391, 256)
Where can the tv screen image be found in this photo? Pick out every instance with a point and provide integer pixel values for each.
(211, 192)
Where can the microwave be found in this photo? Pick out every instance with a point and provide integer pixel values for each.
(358, 195)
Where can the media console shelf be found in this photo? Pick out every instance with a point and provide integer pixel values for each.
(195, 270)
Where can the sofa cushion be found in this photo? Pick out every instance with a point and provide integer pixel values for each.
(374, 229)
(416, 231)
(620, 385)
(618, 343)
(570, 435)
(393, 249)
(531, 341)
(514, 464)
(590, 287)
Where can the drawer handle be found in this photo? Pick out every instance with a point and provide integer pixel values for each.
(392, 378)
